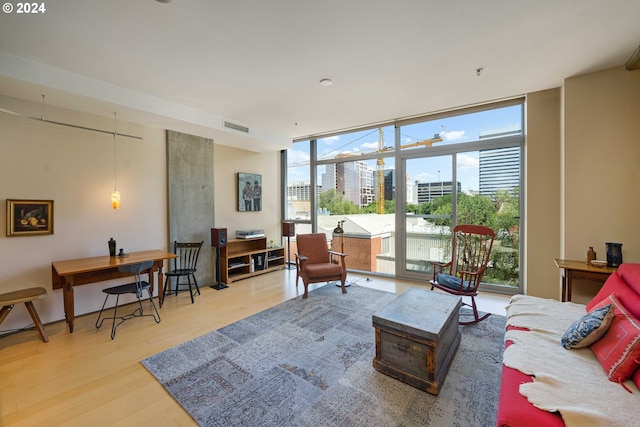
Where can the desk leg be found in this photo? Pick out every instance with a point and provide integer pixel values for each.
(564, 285)
(569, 275)
(69, 305)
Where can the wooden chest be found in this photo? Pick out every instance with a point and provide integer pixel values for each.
(417, 336)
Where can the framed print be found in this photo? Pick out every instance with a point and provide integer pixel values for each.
(29, 217)
(249, 192)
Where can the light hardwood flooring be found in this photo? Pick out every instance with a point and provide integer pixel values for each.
(86, 379)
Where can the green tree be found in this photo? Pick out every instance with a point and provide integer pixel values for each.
(389, 207)
(335, 203)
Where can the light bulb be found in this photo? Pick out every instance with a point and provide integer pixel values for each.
(115, 199)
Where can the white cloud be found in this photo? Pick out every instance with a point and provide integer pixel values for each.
(330, 139)
(370, 146)
(453, 135)
(423, 177)
(297, 156)
(466, 161)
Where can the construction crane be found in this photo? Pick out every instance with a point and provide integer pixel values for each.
(380, 165)
(380, 176)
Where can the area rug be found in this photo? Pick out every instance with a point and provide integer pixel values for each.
(309, 363)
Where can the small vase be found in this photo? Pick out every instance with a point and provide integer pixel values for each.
(591, 255)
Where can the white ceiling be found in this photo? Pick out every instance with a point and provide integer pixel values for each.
(191, 64)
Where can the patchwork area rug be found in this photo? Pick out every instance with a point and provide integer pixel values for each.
(309, 363)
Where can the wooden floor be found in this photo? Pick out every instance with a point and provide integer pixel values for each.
(86, 379)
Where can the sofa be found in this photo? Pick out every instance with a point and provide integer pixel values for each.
(589, 391)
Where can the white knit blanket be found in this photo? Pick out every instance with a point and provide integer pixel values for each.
(571, 382)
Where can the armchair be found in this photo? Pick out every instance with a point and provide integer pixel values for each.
(316, 263)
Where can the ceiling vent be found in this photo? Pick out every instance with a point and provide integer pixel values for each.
(236, 127)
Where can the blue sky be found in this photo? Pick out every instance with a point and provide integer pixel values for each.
(452, 130)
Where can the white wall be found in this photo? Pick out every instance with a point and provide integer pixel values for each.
(74, 168)
(228, 162)
(542, 193)
(601, 166)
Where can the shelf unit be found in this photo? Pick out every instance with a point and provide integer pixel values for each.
(243, 258)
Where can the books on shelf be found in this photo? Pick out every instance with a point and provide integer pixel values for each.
(236, 264)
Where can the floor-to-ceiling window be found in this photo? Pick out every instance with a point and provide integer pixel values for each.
(396, 190)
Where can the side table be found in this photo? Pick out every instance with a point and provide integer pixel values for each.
(580, 270)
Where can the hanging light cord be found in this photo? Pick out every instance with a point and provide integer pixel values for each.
(115, 162)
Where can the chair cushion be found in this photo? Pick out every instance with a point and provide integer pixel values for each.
(589, 328)
(314, 247)
(451, 282)
(323, 270)
(129, 288)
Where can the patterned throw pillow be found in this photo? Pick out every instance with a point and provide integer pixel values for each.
(589, 328)
(618, 351)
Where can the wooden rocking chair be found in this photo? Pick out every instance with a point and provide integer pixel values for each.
(471, 247)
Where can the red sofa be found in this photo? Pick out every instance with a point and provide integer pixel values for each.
(514, 410)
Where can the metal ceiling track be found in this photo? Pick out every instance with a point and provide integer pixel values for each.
(41, 119)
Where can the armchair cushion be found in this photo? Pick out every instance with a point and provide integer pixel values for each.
(323, 270)
(315, 248)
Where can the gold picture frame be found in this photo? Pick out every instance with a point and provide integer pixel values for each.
(29, 217)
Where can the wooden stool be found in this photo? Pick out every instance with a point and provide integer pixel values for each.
(9, 299)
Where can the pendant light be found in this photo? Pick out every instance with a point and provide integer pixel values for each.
(115, 194)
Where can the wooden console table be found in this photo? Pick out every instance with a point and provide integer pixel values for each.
(581, 271)
(74, 272)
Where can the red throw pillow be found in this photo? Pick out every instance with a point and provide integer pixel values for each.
(624, 291)
(618, 351)
(636, 378)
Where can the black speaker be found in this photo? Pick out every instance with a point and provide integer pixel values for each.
(288, 229)
(219, 237)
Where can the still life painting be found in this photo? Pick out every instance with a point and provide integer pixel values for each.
(29, 217)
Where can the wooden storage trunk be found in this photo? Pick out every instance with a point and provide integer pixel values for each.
(417, 335)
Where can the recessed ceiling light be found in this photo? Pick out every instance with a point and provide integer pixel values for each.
(164, 1)
(326, 82)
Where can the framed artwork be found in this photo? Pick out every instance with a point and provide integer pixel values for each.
(29, 217)
(249, 192)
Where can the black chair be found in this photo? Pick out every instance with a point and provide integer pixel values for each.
(185, 265)
(135, 288)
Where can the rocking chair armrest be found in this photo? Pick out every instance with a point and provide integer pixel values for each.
(438, 267)
(479, 272)
(440, 264)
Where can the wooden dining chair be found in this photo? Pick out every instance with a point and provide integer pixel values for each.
(185, 265)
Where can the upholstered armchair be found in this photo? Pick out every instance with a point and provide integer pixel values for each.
(315, 263)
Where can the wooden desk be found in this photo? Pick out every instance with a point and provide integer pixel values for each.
(581, 271)
(74, 272)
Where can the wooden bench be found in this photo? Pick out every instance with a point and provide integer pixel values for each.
(27, 296)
